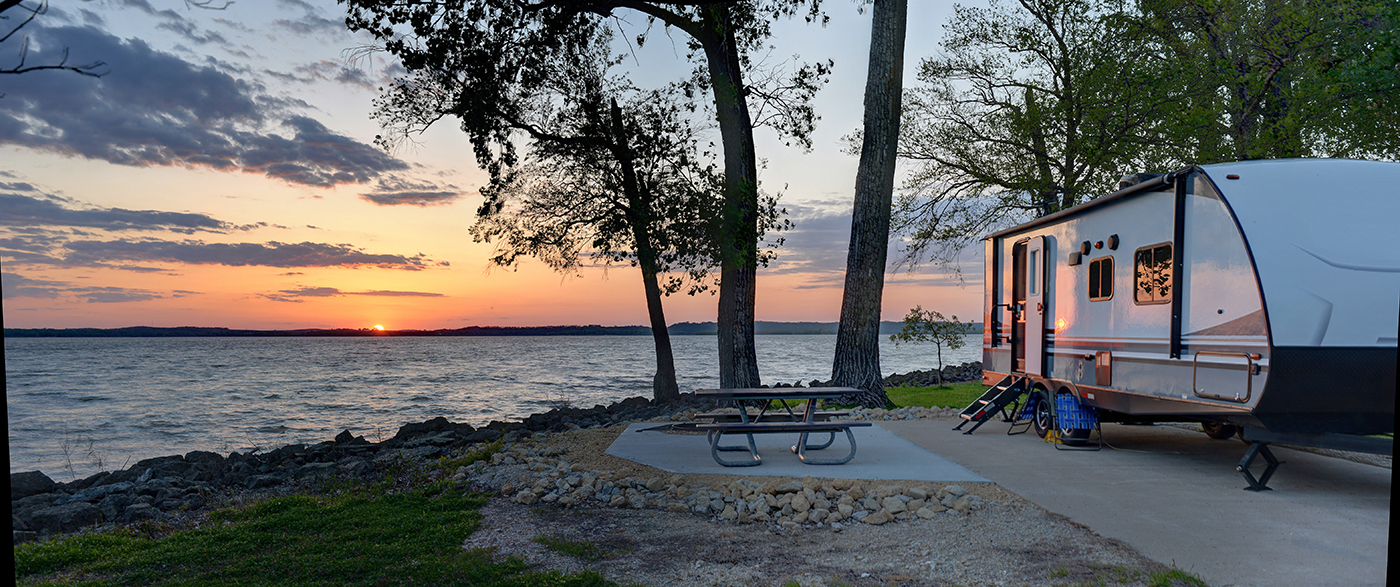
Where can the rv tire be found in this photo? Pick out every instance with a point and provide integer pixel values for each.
(1042, 419)
(1219, 431)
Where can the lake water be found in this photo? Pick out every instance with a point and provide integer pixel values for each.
(76, 401)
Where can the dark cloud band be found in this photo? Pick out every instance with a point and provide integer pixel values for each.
(271, 254)
(20, 210)
(155, 109)
(14, 285)
(294, 295)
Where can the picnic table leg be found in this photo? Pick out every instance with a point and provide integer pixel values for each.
(710, 436)
(808, 415)
(715, 448)
(801, 452)
(743, 417)
(831, 437)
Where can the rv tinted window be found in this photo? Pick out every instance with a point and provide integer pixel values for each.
(1101, 279)
(1152, 274)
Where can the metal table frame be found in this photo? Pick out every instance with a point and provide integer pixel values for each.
(783, 395)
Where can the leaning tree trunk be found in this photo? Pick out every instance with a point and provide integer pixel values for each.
(857, 362)
(663, 384)
(738, 233)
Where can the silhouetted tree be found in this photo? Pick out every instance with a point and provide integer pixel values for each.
(495, 52)
(605, 183)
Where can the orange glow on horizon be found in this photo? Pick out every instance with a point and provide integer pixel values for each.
(379, 327)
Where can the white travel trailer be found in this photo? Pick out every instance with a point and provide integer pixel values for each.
(1262, 295)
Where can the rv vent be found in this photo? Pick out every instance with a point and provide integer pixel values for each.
(1136, 178)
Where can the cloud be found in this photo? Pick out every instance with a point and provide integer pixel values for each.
(45, 229)
(16, 209)
(330, 70)
(396, 294)
(310, 24)
(14, 285)
(398, 191)
(177, 24)
(293, 295)
(114, 295)
(311, 292)
(271, 254)
(818, 245)
(154, 109)
(819, 240)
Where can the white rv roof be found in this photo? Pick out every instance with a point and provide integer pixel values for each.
(1324, 235)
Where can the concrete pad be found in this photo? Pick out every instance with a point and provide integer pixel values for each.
(880, 455)
(1174, 495)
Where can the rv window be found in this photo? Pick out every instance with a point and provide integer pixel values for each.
(1152, 274)
(1034, 270)
(1101, 279)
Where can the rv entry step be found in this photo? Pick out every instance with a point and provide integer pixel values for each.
(993, 401)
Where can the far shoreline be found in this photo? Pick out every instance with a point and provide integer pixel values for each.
(678, 329)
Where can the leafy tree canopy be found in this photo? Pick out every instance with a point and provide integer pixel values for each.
(1034, 106)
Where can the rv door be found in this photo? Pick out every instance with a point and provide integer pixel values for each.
(1035, 305)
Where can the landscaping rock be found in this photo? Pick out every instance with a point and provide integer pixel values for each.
(878, 518)
(63, 518)
(139, 512)
(29, 483)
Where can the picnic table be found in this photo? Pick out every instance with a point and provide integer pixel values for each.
(785, 421)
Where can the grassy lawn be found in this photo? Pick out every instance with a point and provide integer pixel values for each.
(365, 536)
(952, 395)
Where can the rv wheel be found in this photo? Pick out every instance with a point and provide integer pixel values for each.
(1043, 420)
(1219, 431)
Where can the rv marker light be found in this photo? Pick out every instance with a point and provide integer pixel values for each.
(1232, 176)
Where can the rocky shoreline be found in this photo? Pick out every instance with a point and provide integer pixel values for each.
(167, 487)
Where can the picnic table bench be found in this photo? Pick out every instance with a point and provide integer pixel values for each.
(809, 421)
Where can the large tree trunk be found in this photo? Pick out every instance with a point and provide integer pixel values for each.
(738, 362)
(857, 362)
(663, 384)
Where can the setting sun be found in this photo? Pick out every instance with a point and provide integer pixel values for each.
(379, 327)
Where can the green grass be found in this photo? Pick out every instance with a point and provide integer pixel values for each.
(578, 549)
(1175, 578)
(952, 395)
(407, 538)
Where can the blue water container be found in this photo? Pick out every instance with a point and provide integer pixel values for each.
(1071, 415)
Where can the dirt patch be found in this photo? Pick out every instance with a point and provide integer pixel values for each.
(1006, 541)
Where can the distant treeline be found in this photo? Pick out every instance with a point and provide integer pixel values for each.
(683, 328)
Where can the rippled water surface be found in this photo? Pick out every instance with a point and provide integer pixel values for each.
(76, 401)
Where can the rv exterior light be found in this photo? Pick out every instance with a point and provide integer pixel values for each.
(1098, 245)
(1113, 242)
(1232, 176)
(1084, 248)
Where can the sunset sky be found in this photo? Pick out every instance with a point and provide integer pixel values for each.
(222, 173)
